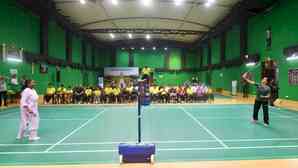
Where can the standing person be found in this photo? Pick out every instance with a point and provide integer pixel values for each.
(3, 91)
(29, 112)
(262, 99)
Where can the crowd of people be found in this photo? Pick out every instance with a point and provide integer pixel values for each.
(116, 95)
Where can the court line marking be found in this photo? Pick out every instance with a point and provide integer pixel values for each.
(76, 130)
(161, 149)
(284, 115)
(52, 119)
(204, 127)
(157, 142)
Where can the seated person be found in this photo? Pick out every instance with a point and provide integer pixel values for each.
(50, 93)
(78, 93)
(108, 94)
(116, 94)
(163, 95)
(189, 94)
(97, 95)
(128, 93)
(60, 93)
(210, 95)
(68, 95)
(173, 95)
(88, 95)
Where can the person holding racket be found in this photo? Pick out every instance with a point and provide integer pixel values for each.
(262, 98)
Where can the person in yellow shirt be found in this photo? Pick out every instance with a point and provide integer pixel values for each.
(60, 93)
(189, 94)
(146, 73)
(210, 95)
(88, 95)
(50, 92)
(97, 95)
(116, 94)
(108, 94)
(128, 93)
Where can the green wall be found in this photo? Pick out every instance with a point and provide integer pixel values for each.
(76, 50)
(215, 51)
(283, 21)
(56, 36)
(156, 59)
(21, 28)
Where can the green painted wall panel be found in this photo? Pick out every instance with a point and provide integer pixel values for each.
(192, 59)
(150, 58)
(19, 27)
(56, 36)
(76, 50)
(215, 51)
(233, 43)
(175, 59)
(122, 58)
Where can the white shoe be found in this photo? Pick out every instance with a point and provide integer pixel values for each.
(266, 125)
(34, 139)
(19, 138)
(254, 121)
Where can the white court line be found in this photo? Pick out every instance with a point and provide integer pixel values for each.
(75, 130)
(204, 127)
(157, 142)
(161, 149)
(51, 119)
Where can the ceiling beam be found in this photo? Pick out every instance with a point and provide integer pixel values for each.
(144, 31)
(146, 18)
(191, 2)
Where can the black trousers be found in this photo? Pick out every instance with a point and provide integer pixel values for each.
(245, 90)
(3, 95)
(257, 107)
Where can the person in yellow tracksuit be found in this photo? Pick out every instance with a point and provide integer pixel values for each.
(50, 93)
(108, 93)
(88, 95)
(128, 93)
(116, 94)
(189, 94)
(97, 95)
(60, 92)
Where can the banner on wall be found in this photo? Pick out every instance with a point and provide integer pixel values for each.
(121, 71)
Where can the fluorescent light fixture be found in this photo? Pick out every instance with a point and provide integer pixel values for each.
(123, 48)
(293, 57)
(115, 2)
(209, 3)
(154, 48)
(13, 59)
(148, 37)
(166, 48)
(178, 2)
(83, 1)
(251, 64)
(112, 35)
(132, 48)
(129, 35)
(147, 2)
(143, 48)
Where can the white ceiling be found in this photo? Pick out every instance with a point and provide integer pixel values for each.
(130, 9)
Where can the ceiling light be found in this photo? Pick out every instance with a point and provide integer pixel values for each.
(83, 1)
(147, 2)
(209, 3)
(123, 48)
(154, 48)
(143, 48)
(293, 57)
(132, 48)
(112, 35)
(148, 36)
(251, 64)
(166, 48)
(178, 2)
(129, 35)
(115, 2)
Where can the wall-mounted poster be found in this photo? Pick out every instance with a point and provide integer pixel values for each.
(293, 76)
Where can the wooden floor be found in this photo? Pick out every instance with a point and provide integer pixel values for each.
(287, 163)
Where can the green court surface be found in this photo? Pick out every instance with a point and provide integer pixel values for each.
(90, 134)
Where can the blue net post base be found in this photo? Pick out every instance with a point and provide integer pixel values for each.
(136, 153)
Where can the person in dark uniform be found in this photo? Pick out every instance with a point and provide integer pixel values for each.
(262, 99)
